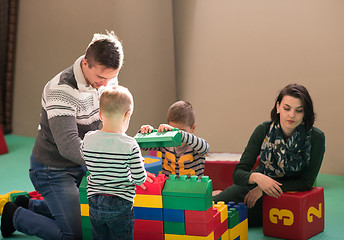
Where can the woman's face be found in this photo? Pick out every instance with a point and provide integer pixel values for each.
(291, 114)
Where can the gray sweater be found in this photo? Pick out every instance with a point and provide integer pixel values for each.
(70, 108)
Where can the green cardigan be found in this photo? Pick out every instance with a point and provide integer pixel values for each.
(301, 181)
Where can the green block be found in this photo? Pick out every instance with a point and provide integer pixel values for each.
(86, 228)
(13, 196)
(174, 228)
(157, 139)
(233, 218)
(188, 193)
(83, 189)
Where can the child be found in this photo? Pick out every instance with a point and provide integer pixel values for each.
(187, 159)
(115, 164)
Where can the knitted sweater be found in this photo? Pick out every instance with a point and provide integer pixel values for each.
(301, 181)
(69, 109)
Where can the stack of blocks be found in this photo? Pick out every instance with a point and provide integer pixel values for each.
(294, 215)
(178, 209)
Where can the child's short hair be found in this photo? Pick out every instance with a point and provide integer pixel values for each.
(181, 112)
(116, 100)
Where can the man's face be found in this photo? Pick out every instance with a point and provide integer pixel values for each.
(97, 75)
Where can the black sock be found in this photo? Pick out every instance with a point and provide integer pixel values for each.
(7, 227)
(22, 201)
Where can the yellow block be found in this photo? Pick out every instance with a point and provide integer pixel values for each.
(225, 236)
(3, 200)
(150, 201)
(187, 237)
(84, 210)
(239, 230)
(223, 209)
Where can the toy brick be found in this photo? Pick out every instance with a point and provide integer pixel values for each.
(154, 188)
(13, 196)
(83, 190)
(199, 216)
(157, 139)
(84, 209)
(220, 229)
(187, 193)
(294, 215)
(225, 235)
(233, 218)
(203, 229)
(239, 231)
(243, 211)
(186, 237)
(3, 145)
(148, 236)
(34, 195)
(155, 153)
(153, 164)
(148, 213)
(222, 208)
(86, 228)
(174, 228)
(150, 201)
(174, 215)
(3, 200)
(148, 226)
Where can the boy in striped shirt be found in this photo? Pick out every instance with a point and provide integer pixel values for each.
(187, 159)
(115, 163)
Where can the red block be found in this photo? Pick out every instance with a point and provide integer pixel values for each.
(294, 215)
(148, 236)
(3, 145)
(220, 229)
(148, 226)
(199, 216)
(35, 195)
(203, 228)
(154, 188)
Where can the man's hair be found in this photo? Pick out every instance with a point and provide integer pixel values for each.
(300, 92)
(116, 100)
(105, 50)
(181, 112)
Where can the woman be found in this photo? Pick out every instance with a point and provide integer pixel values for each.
(290, 151)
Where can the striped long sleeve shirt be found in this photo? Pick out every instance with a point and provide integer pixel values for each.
(115, 163)
(187, 159)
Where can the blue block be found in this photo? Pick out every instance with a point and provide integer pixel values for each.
(148, 213)
(243, 212)
(153, 164)
(174, 215)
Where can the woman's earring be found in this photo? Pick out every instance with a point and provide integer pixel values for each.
(277, 111)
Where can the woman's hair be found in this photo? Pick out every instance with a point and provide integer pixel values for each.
(181, 112)
(105, 50)
(296, 91)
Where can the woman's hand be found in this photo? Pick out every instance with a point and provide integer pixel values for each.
(268, 185)
(146, 129)
(252, 197)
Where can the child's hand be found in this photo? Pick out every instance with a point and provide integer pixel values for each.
(146, 129)
(164, 127)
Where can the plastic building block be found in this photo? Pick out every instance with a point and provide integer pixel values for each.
(148, 236)
(150, 201)
(240, 231)
(84, 209)
(154, 188)
(155, 153)
(187, 193)
(243, 211)
(86, 228)
(3, 145)
(83, 190)
(203, 229)
(222, 208)
(34, 195)
(225, 235)
(199, 216)
(233, 218)
(13, 196)
(178, 228)
(149, 226)
(153, 164)
(174, 215)
(145, 213)
(220, 229)
(157, 139)
(187, 237)
(294, 215)
(3, 200)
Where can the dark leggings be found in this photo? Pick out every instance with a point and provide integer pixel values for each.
(237, 194)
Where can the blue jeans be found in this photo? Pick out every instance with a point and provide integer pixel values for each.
(111, 217)
(59, 215)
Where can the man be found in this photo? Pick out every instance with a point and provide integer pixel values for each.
(70, 108)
